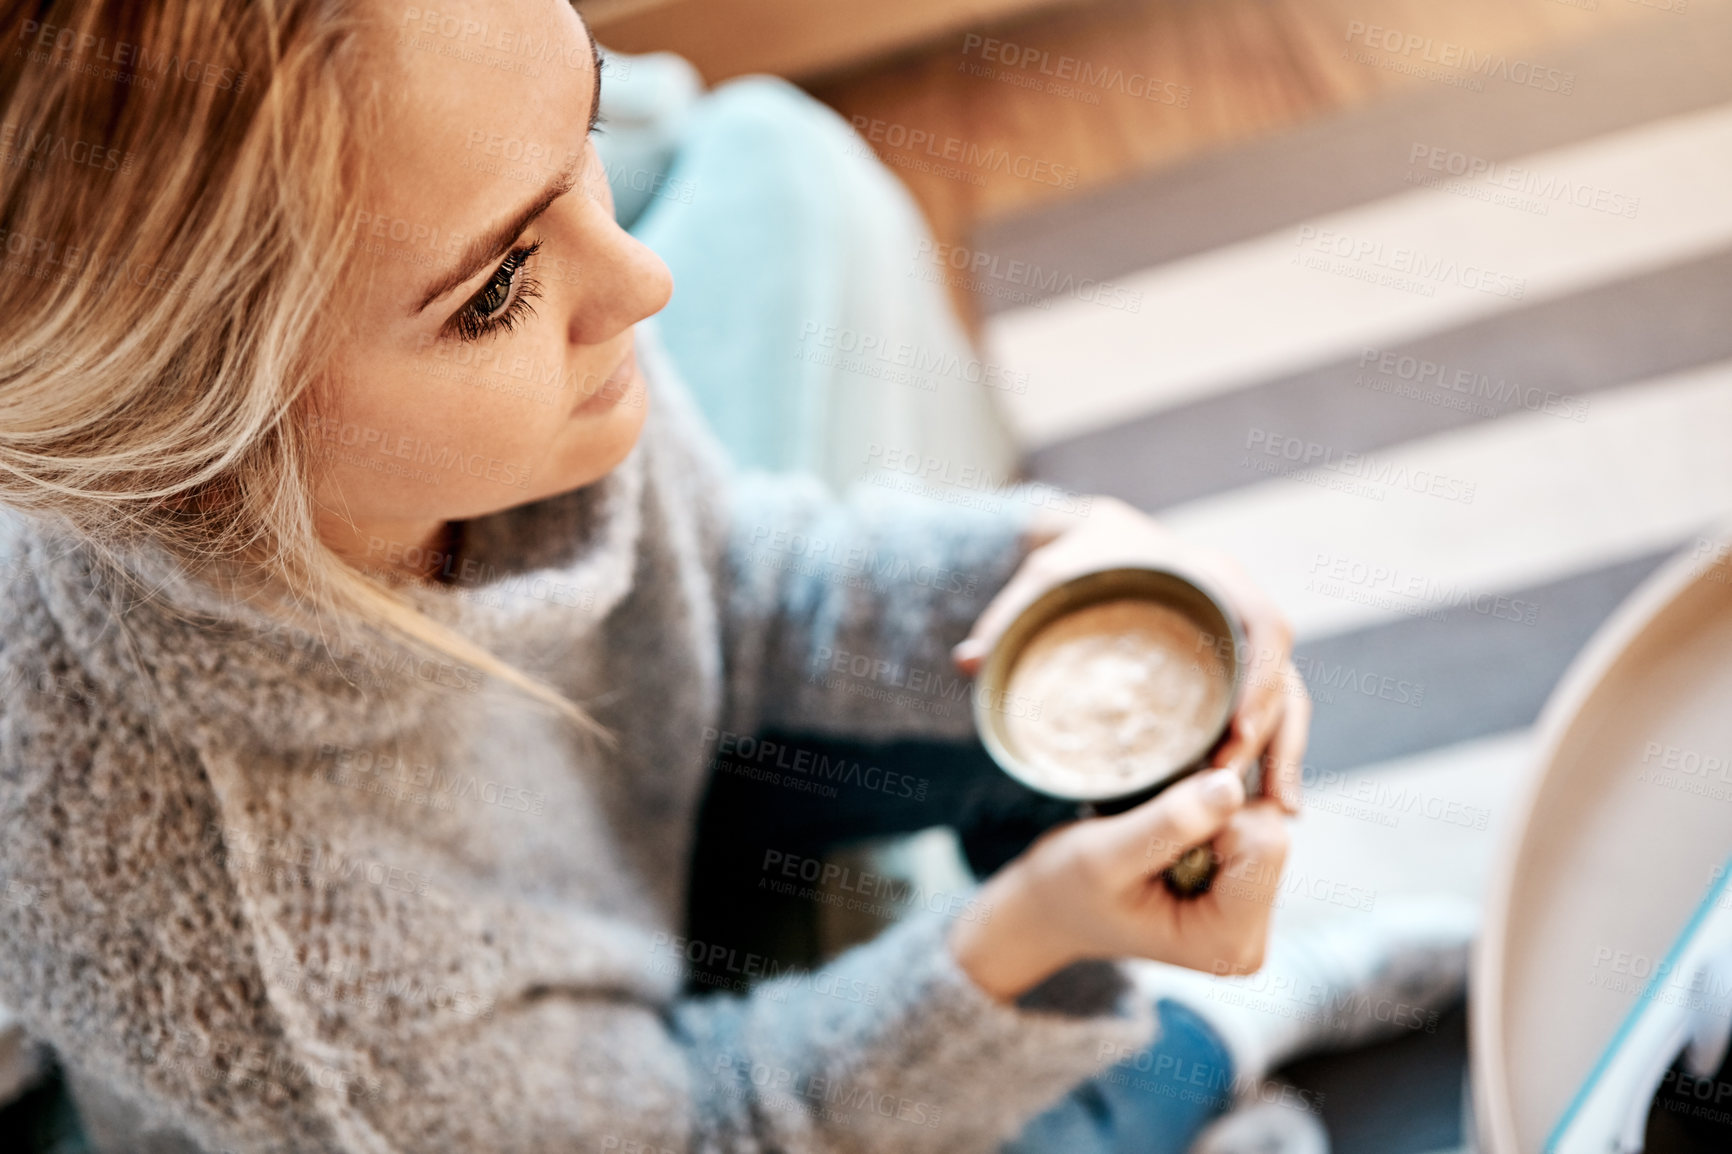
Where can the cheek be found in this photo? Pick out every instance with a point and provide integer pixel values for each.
(458, 434)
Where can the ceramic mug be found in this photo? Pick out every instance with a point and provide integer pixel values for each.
(1194, 871)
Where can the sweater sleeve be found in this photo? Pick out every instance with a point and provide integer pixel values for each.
(893, 1047)
(841, 614)
(444, 1028)
(558, 1030)
(889, 1048)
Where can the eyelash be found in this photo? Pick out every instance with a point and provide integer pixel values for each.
(476, 320)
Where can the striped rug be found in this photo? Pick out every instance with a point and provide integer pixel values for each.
(1451, 375)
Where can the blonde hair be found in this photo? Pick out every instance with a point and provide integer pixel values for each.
(178, 185)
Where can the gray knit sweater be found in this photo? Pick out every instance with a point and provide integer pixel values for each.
(278, 896)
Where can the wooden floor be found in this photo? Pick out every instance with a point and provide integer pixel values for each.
(1240, 68)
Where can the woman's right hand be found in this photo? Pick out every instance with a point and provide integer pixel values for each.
(1093, 889)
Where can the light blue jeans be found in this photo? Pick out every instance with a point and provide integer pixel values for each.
(809, 317)
(779, 227)
(1154, 1103)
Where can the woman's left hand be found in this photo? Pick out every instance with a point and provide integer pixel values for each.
(1273, 717)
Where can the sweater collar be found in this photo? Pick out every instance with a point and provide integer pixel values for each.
(529, 581)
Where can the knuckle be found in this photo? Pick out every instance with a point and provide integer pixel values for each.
(1045, 561)
(1249, 957)
(1275, 636)
(1160, 846)
(1267, 841)
(1089, 863)
(1112, 506)
(1054, 860)
(1166, 840)
(1272, 851)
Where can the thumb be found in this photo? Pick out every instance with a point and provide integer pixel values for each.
(1152, 836)
(1021, 592)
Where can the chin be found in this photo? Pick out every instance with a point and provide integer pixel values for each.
(594, 445)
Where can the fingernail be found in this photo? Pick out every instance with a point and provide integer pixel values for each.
(1222, 788)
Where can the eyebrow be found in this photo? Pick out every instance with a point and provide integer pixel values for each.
(493, 244)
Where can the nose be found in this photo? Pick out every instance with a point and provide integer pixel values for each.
(620, 281)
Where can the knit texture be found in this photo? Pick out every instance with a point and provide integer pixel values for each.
(280, 892)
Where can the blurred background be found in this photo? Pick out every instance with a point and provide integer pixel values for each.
(1418, 309)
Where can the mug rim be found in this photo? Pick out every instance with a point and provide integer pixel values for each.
(1177, 590)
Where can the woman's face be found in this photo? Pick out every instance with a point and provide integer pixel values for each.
(490, 357)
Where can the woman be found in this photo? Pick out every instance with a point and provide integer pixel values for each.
(377, 607)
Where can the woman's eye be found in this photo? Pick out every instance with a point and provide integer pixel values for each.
(502, 302)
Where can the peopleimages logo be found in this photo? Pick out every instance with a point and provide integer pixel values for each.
(1447, 54)
(24, 147)
(982, 269)
(875, 355)
(468, 38)
(1542, 188)
(1471, 384)
(939, 478)
(1282, 450)
(1390, 587)
(119, 60)
(1400, 266)
(371, 443)
(955, 150)
(832, 1094)
(1137, 85)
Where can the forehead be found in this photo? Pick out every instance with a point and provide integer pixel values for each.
(482, 104)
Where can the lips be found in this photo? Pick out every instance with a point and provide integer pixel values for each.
(614, 388)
